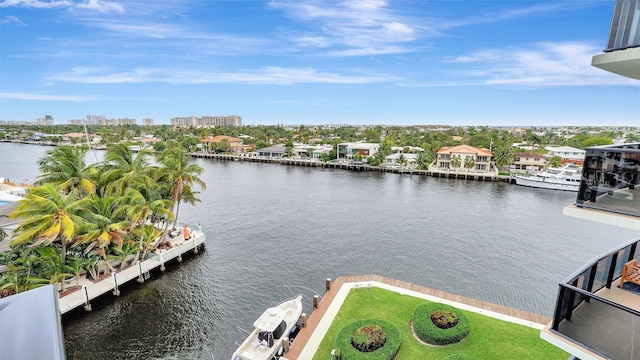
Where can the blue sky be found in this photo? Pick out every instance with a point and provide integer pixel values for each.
(313, 62)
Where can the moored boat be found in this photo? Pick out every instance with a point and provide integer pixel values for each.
(566, 178)
(276, 323)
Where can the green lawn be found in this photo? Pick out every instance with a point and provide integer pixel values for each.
(488, 338)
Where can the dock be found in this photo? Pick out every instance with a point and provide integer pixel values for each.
(460, 173)
(139, 272)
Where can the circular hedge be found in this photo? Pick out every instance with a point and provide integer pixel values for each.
(458, 357)
(344, 341)
(427, 331)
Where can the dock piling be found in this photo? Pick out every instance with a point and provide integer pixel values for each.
(327, 284)
(87, 304)
(162, 267)
(141, 275)
(116, 291)
(285, 345)
(316, 298)
(303, 319)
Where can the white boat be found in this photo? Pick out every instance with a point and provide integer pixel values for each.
(566, 178)
(265, 341)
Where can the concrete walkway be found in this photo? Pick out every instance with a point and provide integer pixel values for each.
(308, 340)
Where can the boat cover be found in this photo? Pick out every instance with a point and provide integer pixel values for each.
(270, 319)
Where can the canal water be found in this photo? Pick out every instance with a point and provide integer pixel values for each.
(274, 231)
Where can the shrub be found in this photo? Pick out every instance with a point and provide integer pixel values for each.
(374, 331)
(458, 357)
(425, 328)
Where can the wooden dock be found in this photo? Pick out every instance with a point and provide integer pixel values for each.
(139, 272)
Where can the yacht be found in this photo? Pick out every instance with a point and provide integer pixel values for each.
(566, 178)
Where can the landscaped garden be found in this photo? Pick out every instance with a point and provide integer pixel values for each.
(372, 320)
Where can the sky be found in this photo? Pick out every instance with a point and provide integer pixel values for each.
(360, 62)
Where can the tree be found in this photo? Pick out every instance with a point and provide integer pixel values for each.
(104, 227)
(469, 162)
(401, 160)
(65, 166)
(596, 141)
(555, 161)
(124, 169)
(49, 216)
(139, 205)
(503, 156)
(455, 161)
(180, 175)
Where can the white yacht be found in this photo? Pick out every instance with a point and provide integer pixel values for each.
(566, 178)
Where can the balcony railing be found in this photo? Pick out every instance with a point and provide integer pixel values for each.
(590, 316)
(625, 26)
(611, 179)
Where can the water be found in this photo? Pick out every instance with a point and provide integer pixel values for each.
(274, 231)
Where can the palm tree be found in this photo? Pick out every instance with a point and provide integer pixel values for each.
(49, 216)
(126, 169)
(104, 225)
(455, 161)
(139, 205)
(65, 166)
(180, 175)
(469, 162)
(503, 156)
(75, 267)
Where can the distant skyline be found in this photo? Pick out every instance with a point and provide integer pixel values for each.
(404, 62)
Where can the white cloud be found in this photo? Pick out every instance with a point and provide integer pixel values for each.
(351, 28)
(267, 75)
(45, 97)
(10, 19)
(538, 65)
(101, 6)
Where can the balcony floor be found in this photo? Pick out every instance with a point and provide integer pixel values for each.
(612, 332)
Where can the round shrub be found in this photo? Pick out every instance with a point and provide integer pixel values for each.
(452, 326)
(368, 339)
(458, 357)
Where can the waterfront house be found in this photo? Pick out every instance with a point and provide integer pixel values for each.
(481, 158)
(353, 150)
(530, 161)
(396, 159)
(312, 151)
(567, 153)
(277, 151)
(235, 145)
(597, 311)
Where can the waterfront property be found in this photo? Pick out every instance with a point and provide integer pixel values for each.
(354, 150)
(594, 318)
(464, 156)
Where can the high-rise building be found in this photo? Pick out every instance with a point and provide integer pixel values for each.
(207, 121)
(147, 122)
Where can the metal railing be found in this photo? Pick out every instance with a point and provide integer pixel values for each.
(588, 319)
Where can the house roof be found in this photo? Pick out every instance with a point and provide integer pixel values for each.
(563, 149)
(531, 155)
(74, 135)
(219, 138)
(272, 149)
(464, 149)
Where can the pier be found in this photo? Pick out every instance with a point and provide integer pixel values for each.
(460, 173)
(138, 271)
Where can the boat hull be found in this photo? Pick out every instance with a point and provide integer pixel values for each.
(537, 183)
(251, 349)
